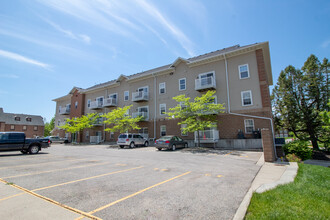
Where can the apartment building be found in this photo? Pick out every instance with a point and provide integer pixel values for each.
(240, 75)
(31, 125)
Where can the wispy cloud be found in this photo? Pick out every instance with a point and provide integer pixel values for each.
(70, 34)
(9, 76)
(20, 58)
(185, 42)
(325, 44)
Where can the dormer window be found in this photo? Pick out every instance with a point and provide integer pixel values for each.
(29, 119)
(17, 118)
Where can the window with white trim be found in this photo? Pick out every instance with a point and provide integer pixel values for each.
(99, 100)
(246, 98)
(24, 127)
(87, 135)
(249, 126)
(12, 127)
(244, 71)
(162, 88)
(182, 105)
(35, 128)
(114, 97)
(126, 95)
(162, 109)
(182, 84)
(76, 104)
(207, 78)
(163, 130)
(183, 126)
(58, 122)
(88, 103)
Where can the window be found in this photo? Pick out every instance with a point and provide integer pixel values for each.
(12, 127)
(162, 108)
(17, 118)
(76, 104)
(88, 103)
(182, 84)
(144, 132)
(127, 112)
(58, 122)
(28, 119)
(249, 126)
(35, 128)
(68, 107)
(99, 101)
(244, 71)
(182, 105)
(126, 95)
(246, 98)
(163, 130)
(162, 88)
(144, 112)
(24, 127)
(183, 126)
(87, 135)
(207, 78)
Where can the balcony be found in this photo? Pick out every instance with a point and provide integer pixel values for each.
(206, 83)
(207, 136)
(96, 105)
(110, 102)
(98, 122)
(145, 115)
(140, 96)
(64, 110)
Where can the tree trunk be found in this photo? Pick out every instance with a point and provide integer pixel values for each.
(315, 144)
(198, 139)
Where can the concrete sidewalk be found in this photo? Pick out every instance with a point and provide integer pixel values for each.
(269, 176)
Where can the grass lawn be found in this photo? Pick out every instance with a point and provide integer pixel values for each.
(308, 197)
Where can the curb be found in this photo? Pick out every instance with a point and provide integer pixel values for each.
(287, 177)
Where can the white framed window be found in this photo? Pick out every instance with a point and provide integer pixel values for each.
(182, 105)
(244, 71)
(100, 100)
(24, 127)
(35, 128)
(163, 130)
(182, 84)
(126, 95)
(113, 96)
(58, 122)
(68, 106)
(87, 135)
(162, 88)
(144, 112)
(12, 127)
(249, 126)
(76, 104)
(88, 103)
(162, 109)
(207, 78)
(246, 98)
(127, 112)
(183, 126)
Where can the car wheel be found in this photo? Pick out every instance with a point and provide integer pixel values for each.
(132, 145)
(185, 145)
(66, 141)
(159, 148)
(24, 151)
(173, 147)
(146, 144)
(34, 149)
(121, 146)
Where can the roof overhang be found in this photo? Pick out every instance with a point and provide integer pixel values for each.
(178, 61)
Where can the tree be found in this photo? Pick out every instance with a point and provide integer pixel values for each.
(78, 124)
(120, 121)
(49, 126)
(300, 96)
(198, 114)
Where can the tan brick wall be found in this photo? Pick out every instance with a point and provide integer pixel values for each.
(268, 145)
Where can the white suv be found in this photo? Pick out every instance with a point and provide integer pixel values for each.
(131, 140)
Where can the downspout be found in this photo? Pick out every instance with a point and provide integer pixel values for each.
(251, 116)
(105, 111)
(155, 100)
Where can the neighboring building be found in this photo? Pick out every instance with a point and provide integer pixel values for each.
(31, 125)
(244, 93)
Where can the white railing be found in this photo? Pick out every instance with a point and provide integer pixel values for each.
(64, 110)
(96, 104)
(98, 122)
(110, 102)
(207, 136)
(145, 115)
(140, 96)
(95, 139)
(205, 83)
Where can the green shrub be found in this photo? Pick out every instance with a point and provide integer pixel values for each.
(299, 148)
(293, 158)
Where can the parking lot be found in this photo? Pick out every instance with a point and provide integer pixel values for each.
(96, 181)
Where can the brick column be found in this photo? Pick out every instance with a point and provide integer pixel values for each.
(268, 145)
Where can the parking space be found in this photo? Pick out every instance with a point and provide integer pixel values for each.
(142, 183)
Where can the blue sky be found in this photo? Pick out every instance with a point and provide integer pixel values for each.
(49, 46)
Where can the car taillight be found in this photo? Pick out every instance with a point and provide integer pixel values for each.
(155, 142)
(127, 139)
(48, 141)
(167, 142)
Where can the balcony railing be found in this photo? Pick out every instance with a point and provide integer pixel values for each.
(207, 136)
(64, 111)
(140, 96)
(110, 102)
(98, 122)
(205, 83)
(145, 115)
(96, 105)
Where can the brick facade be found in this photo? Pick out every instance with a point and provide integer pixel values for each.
(268, 145)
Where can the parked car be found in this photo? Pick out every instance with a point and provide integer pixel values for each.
(170, 142)
(56, 139)
(131, 140)
(17, 141)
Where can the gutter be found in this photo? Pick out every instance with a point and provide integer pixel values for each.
(155, 97)
(251, 116)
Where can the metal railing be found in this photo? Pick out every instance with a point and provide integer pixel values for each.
(64, 110)
(110, 102)
(98, 122)
(205, 83)
(207, 136)
(140, 96)
(145, 115)
(96, 104)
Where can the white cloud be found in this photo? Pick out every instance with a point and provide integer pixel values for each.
(20, 58)
(10, 76)
(325, 44)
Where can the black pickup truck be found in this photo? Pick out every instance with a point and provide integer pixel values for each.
(16, 141)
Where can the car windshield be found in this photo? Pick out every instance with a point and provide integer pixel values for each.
(123, 136)
(166, 138)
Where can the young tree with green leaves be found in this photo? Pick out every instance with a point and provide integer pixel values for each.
(49, 126)
(120, 121)
(198, 114)
(77, 124)
(300, 96)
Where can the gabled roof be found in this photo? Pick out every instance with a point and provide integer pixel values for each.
(178, 61)
(9, 118)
